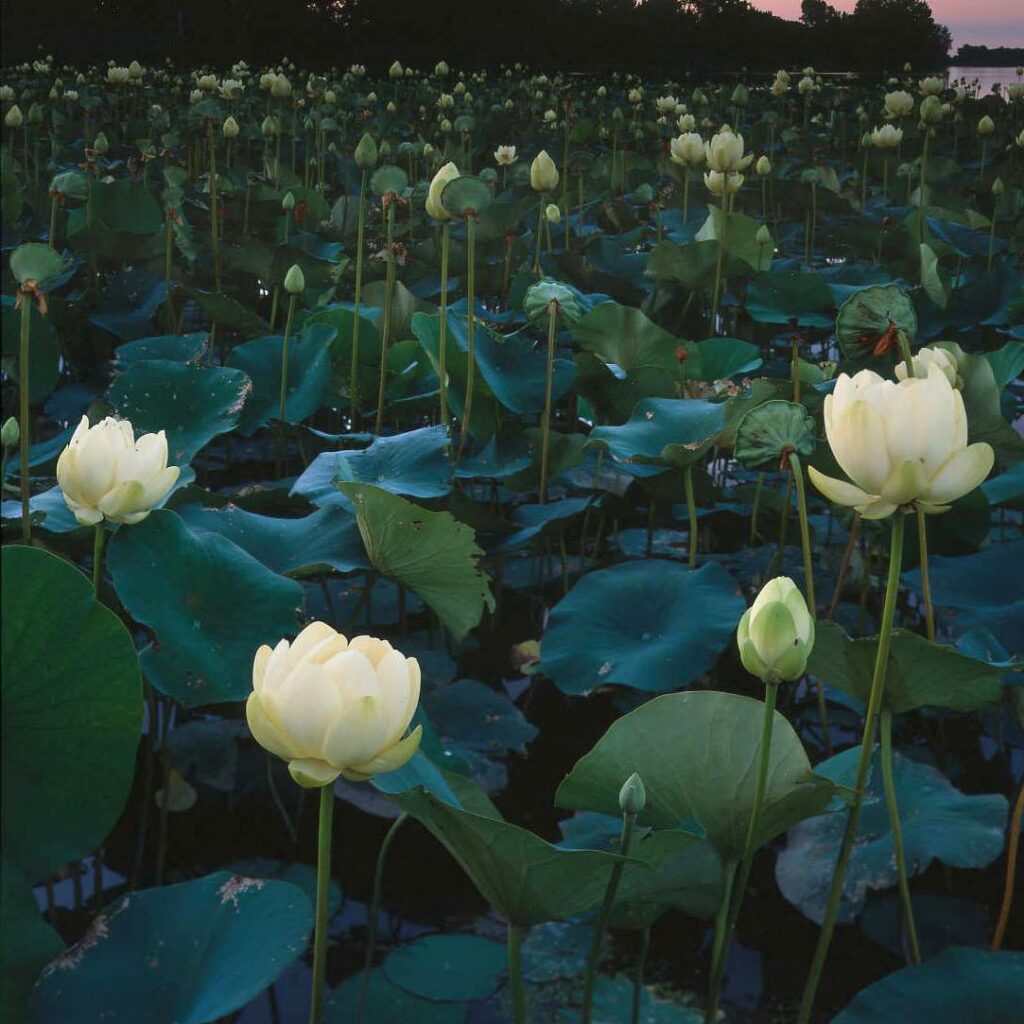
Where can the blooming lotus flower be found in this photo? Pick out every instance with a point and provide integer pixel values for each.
(104, 473)
(330, 706)
(928, 357)
(779, 88)
(898, 104)
(686, 123)
(281, 88)
(505, 156)
(687, 150)
(666, 104)
(931, 86)
(719, 182)
(888, 136)
(725, 152)
(776, 634)
(805, 85)
(449, 172)
(900, 443)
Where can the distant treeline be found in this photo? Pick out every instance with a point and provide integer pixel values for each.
(671, 37)
(986, 57)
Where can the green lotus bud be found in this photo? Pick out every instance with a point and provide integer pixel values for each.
(931, 110)
(776, 634)
(633, 796)
(385, 149)
(997, 187)
(294, 280)
(288, 202)
(543, 173)
(986, 126)
(14, 117)
(763, 166)
(763, 236)
(395, 71)
(10, 433)
(230, 128)
(366, 152)
(269, 126)
(100, 144)
(552, 214)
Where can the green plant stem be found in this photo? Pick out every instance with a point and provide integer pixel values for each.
(926, 586)
(691, 509)
(756, 506)
(601, 922)
(545, 423)
(795, 368)
(389, 293)
(540, 236)
(750, 844)
(165, 777)
(323, 883)
(283, 396)
(517, 992)
(353, 380)
(719, 943)
(442, 348)
(860, 778)
(168, 264)
(55, 205)
(214, 236)
(805, 533)
(638, 977)
(467, 405)
(718, 262)
(991, 241)
(23, 414)
(892, 806)
(99, 537)
(375, 902)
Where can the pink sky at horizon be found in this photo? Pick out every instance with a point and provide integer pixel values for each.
(982, 22)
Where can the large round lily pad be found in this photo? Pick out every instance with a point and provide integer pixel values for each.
(697, 754)
(447, 968)
(956, 986)
(654, 625)
(187, 954)
(210, 604)
(72, 713)
(938, 821)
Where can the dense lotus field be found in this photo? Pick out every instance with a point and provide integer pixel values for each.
(505, 547)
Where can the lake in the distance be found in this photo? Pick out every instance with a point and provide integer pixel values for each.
(987, 77)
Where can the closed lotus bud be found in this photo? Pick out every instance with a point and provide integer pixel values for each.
(6, 93)
(14, 117)
(779, 88)
(687, 150)
(390, 108)
(267, 80)
(330, 97)
(505, 156)
(294, 280)
(385, 148)
(100, 144)
(329, 706)
(230, 128)
(288, 202)
(104, 473)
(449, 172)
(1020, 139)
(1015, 92)
(928, 357)
(805, 85)
(776, 634)
(366, 152)
(269, 126)
(763, 165)
(763, 235)
(445, 126)
(986, 126)
(428, 150)
(931, 110)
(602, 90)
(740, 96)
(998, 188)
(898, 104)
(281, 88)
(10, 433)
(632, 796)
(552, 214)
(866, 140)
(395, 71)
(902, 444)
(543, 173)
(441, 69)
(550, 116)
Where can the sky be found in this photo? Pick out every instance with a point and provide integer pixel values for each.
(982, 22)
